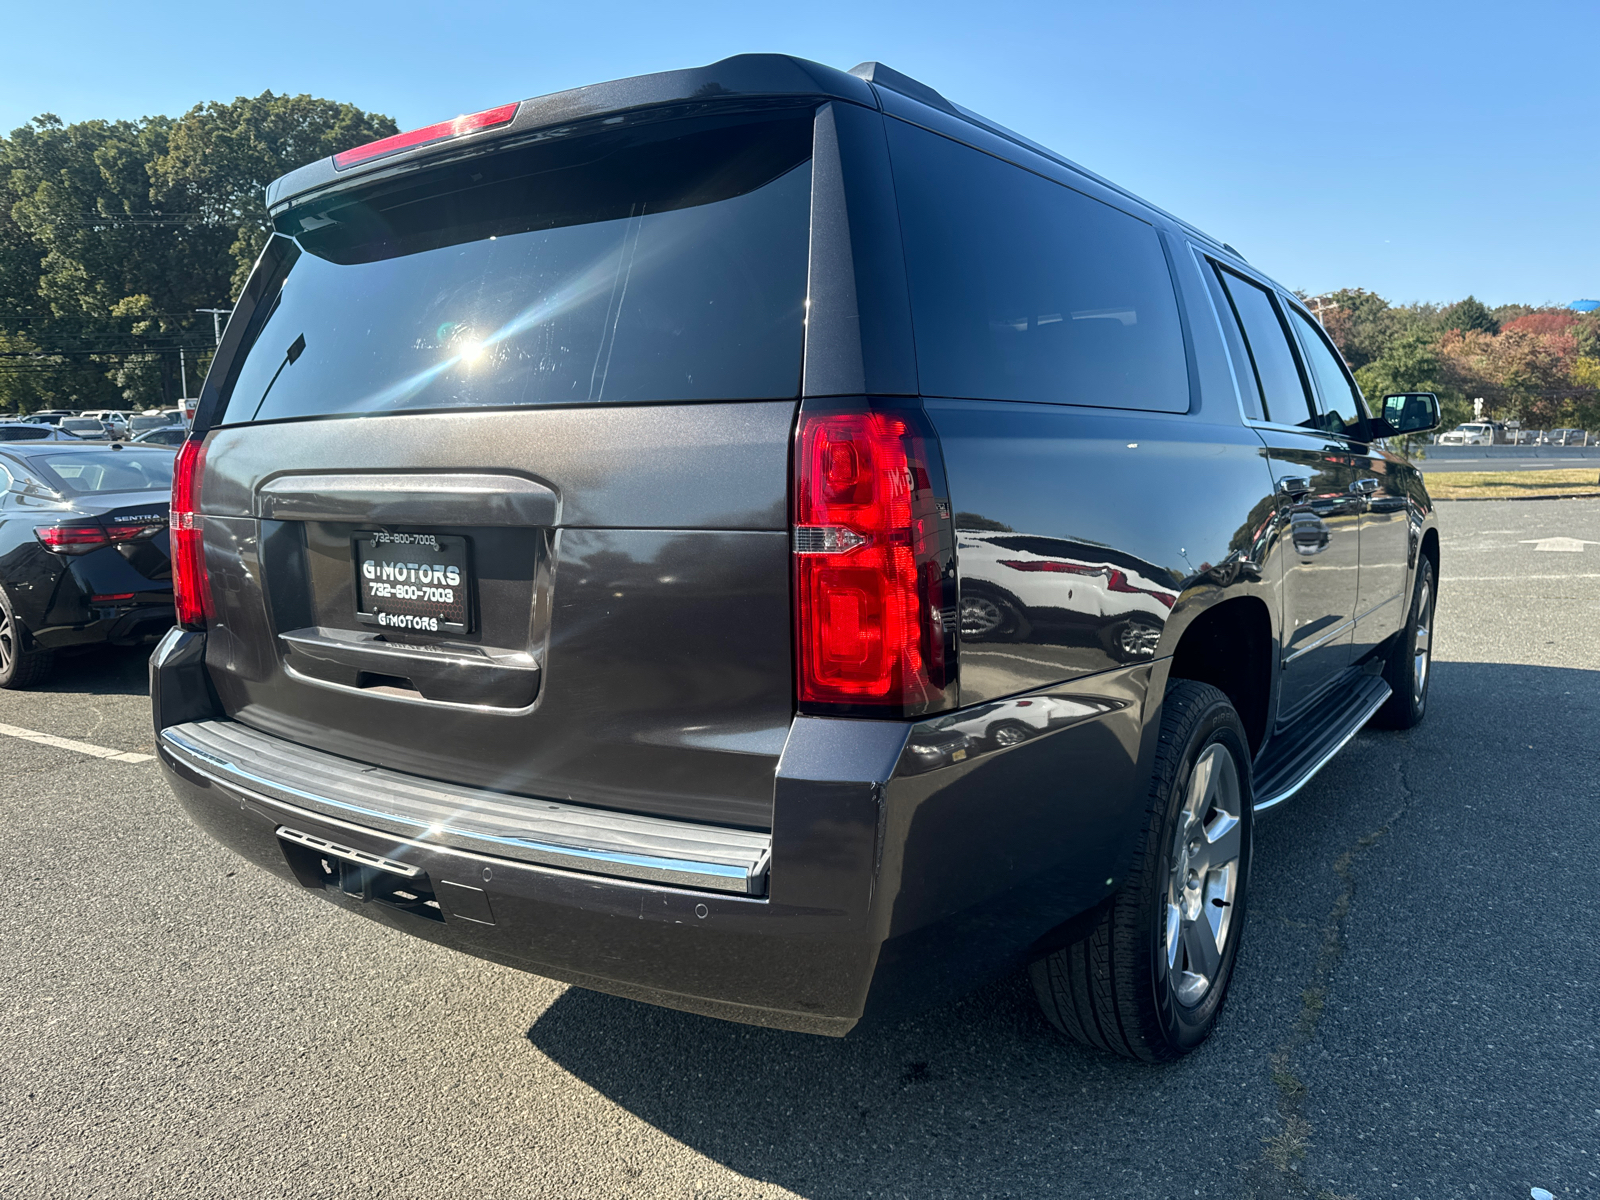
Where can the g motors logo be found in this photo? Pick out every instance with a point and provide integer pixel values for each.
(407, 621)
(399, 572)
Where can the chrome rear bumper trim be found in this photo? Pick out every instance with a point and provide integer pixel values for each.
(566, 836)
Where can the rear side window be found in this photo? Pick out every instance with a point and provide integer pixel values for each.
(666, 262)
(1339, 400)
(22, 433)
(1023, 289)
(1278, 379)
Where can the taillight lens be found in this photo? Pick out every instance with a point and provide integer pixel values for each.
(71, 539)
(191, 591)
(428, 134)
(874, 564)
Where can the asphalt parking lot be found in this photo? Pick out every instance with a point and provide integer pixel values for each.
(1414, 1013)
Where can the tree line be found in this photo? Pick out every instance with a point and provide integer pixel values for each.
(1537, 365)
(114, 233)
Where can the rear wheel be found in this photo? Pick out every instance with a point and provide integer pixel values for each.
(1150, 980)
(19, 668)
(1410, 666)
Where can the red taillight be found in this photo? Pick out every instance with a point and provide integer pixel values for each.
(191, 591)
(873, 565)
(71, 539)
(489, 118)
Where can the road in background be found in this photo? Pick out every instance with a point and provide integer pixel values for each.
(1509, 458)
(1413, 1013)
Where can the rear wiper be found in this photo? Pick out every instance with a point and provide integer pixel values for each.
(291, 355)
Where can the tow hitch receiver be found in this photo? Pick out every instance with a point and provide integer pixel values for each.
(319, 863)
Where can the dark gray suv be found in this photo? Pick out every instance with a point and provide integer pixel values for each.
(770, 542)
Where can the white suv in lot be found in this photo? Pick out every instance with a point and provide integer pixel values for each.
(1478, 433)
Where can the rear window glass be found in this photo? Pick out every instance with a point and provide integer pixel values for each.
(661, 263)
(1023, 289)
(106, 470)
(22, 433)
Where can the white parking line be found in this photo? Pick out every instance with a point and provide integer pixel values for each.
(1509, 578)
(61, 743)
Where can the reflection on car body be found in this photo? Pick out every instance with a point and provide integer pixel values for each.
(1027, 588)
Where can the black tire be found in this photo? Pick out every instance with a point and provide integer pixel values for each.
(19, 668)
(1409, 669)
(1114, 989)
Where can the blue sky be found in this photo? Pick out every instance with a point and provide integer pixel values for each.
(1423, 151)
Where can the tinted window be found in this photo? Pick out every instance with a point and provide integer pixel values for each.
(106, 470)
(666, 263)
(1283, 391)
(1023, 289)
(1243, 372)
(22, 433)
(1338, 398)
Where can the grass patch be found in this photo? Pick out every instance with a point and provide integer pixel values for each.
(1477, 485)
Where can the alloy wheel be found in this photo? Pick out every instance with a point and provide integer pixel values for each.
(1204, 876)
(8, 642)
(1422, 648)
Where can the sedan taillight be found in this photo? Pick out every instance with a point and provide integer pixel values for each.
(191, 590)
(72, 539)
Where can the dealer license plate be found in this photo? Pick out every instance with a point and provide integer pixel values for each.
(413, 582)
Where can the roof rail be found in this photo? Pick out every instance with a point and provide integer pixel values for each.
(876, 72)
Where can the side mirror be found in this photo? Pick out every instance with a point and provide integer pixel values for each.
(1408, 412)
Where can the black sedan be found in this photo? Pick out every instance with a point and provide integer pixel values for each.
(83, 551)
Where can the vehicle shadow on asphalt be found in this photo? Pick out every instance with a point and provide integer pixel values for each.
(981, 1089)
(101, 671)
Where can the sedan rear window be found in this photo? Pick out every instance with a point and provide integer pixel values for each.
(23, 433)
(665, 262)
(106, 470)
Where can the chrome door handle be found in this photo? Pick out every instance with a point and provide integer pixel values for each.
(1293, 485)
(1364, 487)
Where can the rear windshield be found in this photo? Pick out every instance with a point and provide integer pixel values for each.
(665, 262)
(22, 433)
(82, 425)
(106, 470)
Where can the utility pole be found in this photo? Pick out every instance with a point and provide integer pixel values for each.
(216, 321)
(183, 373)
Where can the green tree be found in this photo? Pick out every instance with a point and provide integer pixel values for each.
(1470, 315)
(219, 159)
(112, 234)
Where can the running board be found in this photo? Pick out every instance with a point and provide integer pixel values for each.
(1294, 756)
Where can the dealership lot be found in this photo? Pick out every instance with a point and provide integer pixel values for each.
(1413, 1014)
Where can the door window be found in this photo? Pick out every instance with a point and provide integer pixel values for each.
(1339, 400)
(1283, 389)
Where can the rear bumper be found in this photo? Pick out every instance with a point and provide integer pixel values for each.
(889, 887)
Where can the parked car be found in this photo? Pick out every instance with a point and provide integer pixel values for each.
(115, 421)
(1568, 437)
(163, 435)
(578, 572)
(91, 429)
(1477, 433)
(31, 431)
(146, 421)
(83, 552)
(50, 416)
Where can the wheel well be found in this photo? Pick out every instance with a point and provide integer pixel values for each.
(1230, 647)
(1430, 548)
